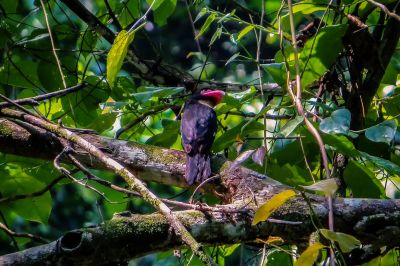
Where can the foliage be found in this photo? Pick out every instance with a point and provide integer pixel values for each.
(222, 46)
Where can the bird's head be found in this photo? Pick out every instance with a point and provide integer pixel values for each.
(213, 96)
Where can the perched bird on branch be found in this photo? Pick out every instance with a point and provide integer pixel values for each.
(198, 129)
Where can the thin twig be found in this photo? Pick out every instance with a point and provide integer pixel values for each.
(36, 193)
(310, 127)
(18, 106)
(274, 137)
(36, 99)
(112, 15)
(193, 28)
(202, 184)
(53, 45)
(268, 116)
(384, 9)
(139, 119)
(143, 18)
(68, 174)
(305, 160)
(9, 232)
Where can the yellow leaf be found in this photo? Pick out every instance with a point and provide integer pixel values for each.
(308, 257)
(272, 240)
(270, 206)
(117, 54)
(346, 242)
(245, 31)
(328, 186)
(107, 109)
(275, 240)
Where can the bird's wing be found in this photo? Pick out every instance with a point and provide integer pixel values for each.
(198, 128)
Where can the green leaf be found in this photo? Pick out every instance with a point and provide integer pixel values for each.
(18, 181)
(206, 24)
(346, 242)
(277, 72)
(169, 135)
(271, 205)
(383, 132)
(233, 57)
(24, 77)
(308, 257)
(328, 186)
(155, 3)
(202, 12)
(362, 181)
(164, 11)
(299, 11)
(230, 136)
(117, 54)
(289, 174)
(89, 40)
(318, 54)
(49, 76)
(245, 31)
(337, 123)
(216, 36)
(340, 144)
(291, 126)
(85, 105)
(317, 57)
(388, 166)
(227, 250)
(160, 92)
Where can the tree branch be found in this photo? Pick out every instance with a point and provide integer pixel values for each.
(119, 169)
(384, 9)
(127, 235)
(36, 99)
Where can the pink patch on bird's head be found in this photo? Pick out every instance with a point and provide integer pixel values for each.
(215, 95)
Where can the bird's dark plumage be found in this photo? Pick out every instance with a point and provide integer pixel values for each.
(198, 128)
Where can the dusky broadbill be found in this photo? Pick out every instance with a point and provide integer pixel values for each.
(198, 129)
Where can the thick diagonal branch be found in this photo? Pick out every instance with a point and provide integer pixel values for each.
(119, 169)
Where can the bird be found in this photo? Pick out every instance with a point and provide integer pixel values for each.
(198, 129)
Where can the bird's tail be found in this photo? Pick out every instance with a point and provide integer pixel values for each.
(198, 168)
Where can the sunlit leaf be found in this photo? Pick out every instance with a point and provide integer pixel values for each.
(245, 31)
(383, 132)
(389, 166)
(291, 126)
(233, 57)
(202, 12)
(230, 135)
(271, 205)
(206, 25)
(216, 36)
(308, 257)
(346, 242)
(227, 250)
(277, 72)
(337, 123)
(150, 92)
(117, 54)
(328, 186)
(362, 181)
(340, 144)
(272, 240)
(164, 11)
